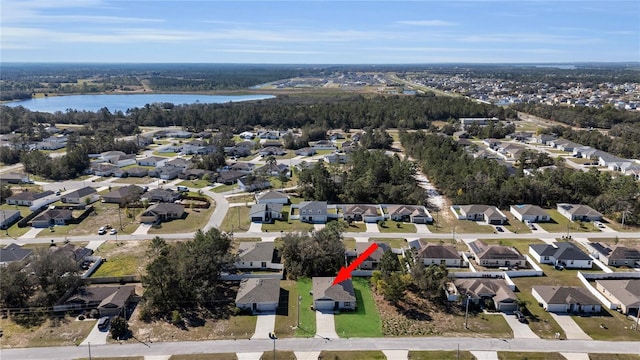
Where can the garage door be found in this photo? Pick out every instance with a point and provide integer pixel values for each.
(256, 219)
(324, 304)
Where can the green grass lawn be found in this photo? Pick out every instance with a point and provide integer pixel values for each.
(307, 326)
(196, 219)
(356, 227)
(349, 243)
(351, 355)
(440, 355)
(447, 225)
(241, 199)
(614, 357)
(287, 226)
(508, 355)
(198, 184)
(396, 243)
(616, 326)
(14, 231)
(287, 312)
(397, 227)
(515, 225)
(280, 355)
(231, 222)
(561, 224)
(224, 188)
(118, 265)
(365, 321)
(223, 356)
(521, 244)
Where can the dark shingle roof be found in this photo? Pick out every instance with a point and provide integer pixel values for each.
(258, 291)
(340, 292)
(565, 295)
(256, 251)
(560, 251)
(437, 251)
(14, 252)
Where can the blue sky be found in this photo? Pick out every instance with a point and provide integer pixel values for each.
(319, 32)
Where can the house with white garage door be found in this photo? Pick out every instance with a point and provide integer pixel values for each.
(530, 213)
(258, 294)
(333, 298)
(563, 254)
(565, 299)
(478, 290)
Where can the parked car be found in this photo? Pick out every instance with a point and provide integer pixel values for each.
(103, 323)
(102, 230)
(520, 316)
(499, 229)
(113, 232)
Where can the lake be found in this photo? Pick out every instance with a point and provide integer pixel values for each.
(123, 102)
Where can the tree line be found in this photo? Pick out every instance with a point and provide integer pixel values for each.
(466, 180)
(623, 139)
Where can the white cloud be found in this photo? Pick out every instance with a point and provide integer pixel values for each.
(426, 23)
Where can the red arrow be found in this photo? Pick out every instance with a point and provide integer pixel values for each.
(345, 273)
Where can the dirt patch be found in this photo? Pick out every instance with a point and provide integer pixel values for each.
(51, 332)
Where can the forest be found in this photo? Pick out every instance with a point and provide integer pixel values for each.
(466, 180)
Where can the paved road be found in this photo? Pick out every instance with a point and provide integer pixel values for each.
(318, 344)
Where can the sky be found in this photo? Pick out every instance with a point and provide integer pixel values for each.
(319, 32)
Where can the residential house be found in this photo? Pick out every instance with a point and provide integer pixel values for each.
(248, 135)
(47, 145)
(565, 299)
(329, 297)
(362, 212)
(438, 254)
(491, 143)
(479, 121)
(510, 151)
(563, 254)
(487, 213)
(162, 212)
(192, 174)
(257, 295)
(29, 198)
(241, 149)
(617, 255)
(265, 213)
(85, 195)
(155, 161)
(103, 169)
(179, 163)
(123, 195)
(162, 195)
(229, 177)
(52, 217)
(497, 255)
(252, 183)
(305, 151)
(336, 158)
(312, 211)
(272, 197)
(13, 253)
(579, 212)
(416, 214)
(14, 178)
(322, 145)
(8, 217)
(544, 138)
(166, 172)
(269, 135)
(271, 150)
(108, 300)
(623, 292)
(256, 255)
(70, 251)
(273, 169)
(371, 262)
(530, 213)
(137, 171)
(169, 148)
(243, 167)
(481, 290)
(180, 134)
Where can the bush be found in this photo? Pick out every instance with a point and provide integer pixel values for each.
(176, 318)
(119, 328)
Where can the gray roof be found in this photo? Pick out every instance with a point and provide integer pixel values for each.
(340, 292)
(376, 255)
(30, 195)
(314, 207)
(478, 288)
(82, 192)
(14, 252)
(438, 251)
(484, 251)
(566, 295)
(579, 209)
(102, 295)
(534, 210)
(260, 290)
(54, 214)
(361, 209)
(624, 253)
(164, 208)
(271, 195)
(560, 251)
(412, 210)
(627, 291)
(256, 251)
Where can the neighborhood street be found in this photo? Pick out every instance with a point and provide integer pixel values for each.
(319, 344)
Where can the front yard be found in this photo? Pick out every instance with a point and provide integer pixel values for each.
(608, 325)
(307, 326)
(561, 224)
(42, 331)
(236, 219)
(122, 258)
(397, 227)
(365, 321)
(195, 219)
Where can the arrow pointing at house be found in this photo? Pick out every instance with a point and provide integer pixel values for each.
(345, 273)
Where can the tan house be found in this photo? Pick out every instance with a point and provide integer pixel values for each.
(439, 254)
(258, 294)
(497, 255)
(624, 292)
(331, 298)
(162, 212)
(479, 290)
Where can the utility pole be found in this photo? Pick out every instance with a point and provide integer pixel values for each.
(466, 312)
(299, 301)
(273, 337)
(89, 343)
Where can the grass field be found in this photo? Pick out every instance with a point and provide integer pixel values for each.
(198, 184)
(196, 219)
(307, 316)
(440, 355)
(287, 312)
(236, 219)
(45, 332)
(223, 356)
(507, 355)
(356, 227)
(614, 357)
(351, 355)
(287, 226)
(122, 258)
(562, 225)
(365, 321)
(224, 188)
(396, 243)
(397, 227)
(616, 326)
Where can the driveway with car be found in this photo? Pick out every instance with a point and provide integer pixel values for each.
(96, 336)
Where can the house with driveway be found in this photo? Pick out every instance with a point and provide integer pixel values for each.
(497, 255)
(257, 255)
(480, 290)
(314, 212)
(85, 195)
(265, 213)
(162, 212)
(162, 195)
(530, 213)
(362, 212)
(333, 298)
(487, 213)
(623, 292)
(258, 294)
(565, 299)
(8, 217)
(437, 254)
(155, 161)
(13, 253)
(371, 262)
(416, 214)
(617, 255)
(51, 217)
(30, 198)
(123, 195)
(579, 212)
(563, 254)
(272, 197)
(108, 300)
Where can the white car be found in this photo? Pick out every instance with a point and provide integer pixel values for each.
(113, 232)
(102, 231)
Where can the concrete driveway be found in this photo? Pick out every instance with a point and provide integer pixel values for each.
(372, 228)
(255, 227)
(264, 325)
(422, 228)
(95, 337)
(571, 329)
(325, 325)
(520, 330)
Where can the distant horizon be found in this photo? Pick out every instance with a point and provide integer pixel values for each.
(320, 32)
(319, 64)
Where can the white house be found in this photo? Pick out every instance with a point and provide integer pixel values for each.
(438, 254)
(272, 197)
(258, 294)
(83, 195)
(331, 298)
(563, 254)
(256, 255)
(565, 299)
(531, 213)
(155, 161)
(579, 212)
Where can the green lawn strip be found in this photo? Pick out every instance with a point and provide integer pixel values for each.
(287, 312)
(562, 225)
(287, 226)
(224, 188)
(349, 243)
(223, 356)
(614, 357)
(236, 219)
(466, 226)
(508, 355)
(397, 227)
(607, 326)
(198, 184)
(396, 243)
(356, 227)
(307, 316)
(440, 355)
(365, 321)
(280, 355)
(241, 199)
(515, 225)
(117, 358)
(118, 265)
(351, 355)
(196, 219)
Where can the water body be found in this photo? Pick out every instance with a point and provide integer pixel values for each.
(123, 102)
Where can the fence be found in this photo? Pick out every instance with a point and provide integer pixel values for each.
(114, 279)
(27, 220)
(82, 216)
(238, 277)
